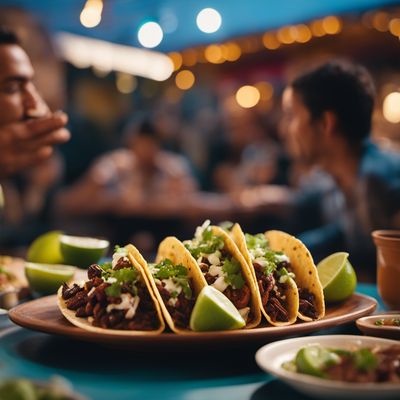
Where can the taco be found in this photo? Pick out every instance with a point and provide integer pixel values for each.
(176, 281)
(117, 299)
(279, 297)
(224, 268)
(311, 295)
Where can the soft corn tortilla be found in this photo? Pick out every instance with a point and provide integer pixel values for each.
(232, 249)
(291, 293)
(174, 250)
(85, 324)
(302, 265)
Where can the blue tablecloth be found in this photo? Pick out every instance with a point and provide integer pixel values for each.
(104, 374)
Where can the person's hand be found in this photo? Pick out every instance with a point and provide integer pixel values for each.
(26, 143)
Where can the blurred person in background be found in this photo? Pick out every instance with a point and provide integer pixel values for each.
(28, 133)
(141, 185)
(327, 115)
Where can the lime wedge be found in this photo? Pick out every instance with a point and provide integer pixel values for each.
(82, 251)
(47, 278)
(213, 311)
(46, 249)
(337, 276)
(313, 360)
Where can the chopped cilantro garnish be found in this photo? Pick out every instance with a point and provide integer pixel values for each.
(233, 272)
(127, 276)
(207, 244)
(106, 266)
(380, 322)
(255, 241)
(166, 269)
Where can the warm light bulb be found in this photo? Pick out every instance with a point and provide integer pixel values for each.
(391, 107)
(150, 35)
(208, 20)
(248, 96)
(184, 79)
(91, 13)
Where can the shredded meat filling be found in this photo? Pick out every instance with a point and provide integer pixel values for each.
(307, 303)
(181, 310)
(89, 302)
(239, 297)
(273, 305)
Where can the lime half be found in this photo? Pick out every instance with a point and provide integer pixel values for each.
(337, 277)
(46, 249)
(82, 251)
(213, 311)
(47, 278)
(313, 360)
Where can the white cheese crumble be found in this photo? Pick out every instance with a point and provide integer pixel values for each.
(128, 303)
(220, 284)
(121, 253)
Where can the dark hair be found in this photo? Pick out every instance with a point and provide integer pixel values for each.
(142, 128)
(7, 37)
(343, 88)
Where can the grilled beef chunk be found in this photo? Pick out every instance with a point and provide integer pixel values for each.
(92, 301)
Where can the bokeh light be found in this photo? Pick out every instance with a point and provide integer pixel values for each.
(150, 35)
(91, 13)
(213, 54)
(125, 83)
(184, 79)
(209, 20)
(391, 107)
(317, 28)
(270, 41)
(332, 25)
(380, 21)
(394, 26)
(248, 96)
(176, 59)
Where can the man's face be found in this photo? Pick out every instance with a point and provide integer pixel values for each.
(300, 131)
(18, 95)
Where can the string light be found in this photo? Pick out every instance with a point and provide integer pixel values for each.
(391, 107)
(150, 34)
(317, 28)
(248, 96)
(380, 21)
(184, 79)
(270, 41)
(285, 36)
(91, 13)
(213, 54)
(208, 20)
(176, 59)
(394, 26)
(331, 25)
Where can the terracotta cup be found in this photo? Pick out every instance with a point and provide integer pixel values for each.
(388, 266)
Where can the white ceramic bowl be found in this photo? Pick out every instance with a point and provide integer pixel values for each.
(271, 357)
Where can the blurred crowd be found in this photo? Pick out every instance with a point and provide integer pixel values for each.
(305, 166)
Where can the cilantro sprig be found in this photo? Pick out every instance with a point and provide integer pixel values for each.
(123, 276)
(207, 244)
(233, 271)
(177, 272)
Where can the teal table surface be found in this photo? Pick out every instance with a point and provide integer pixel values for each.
(102, 373)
